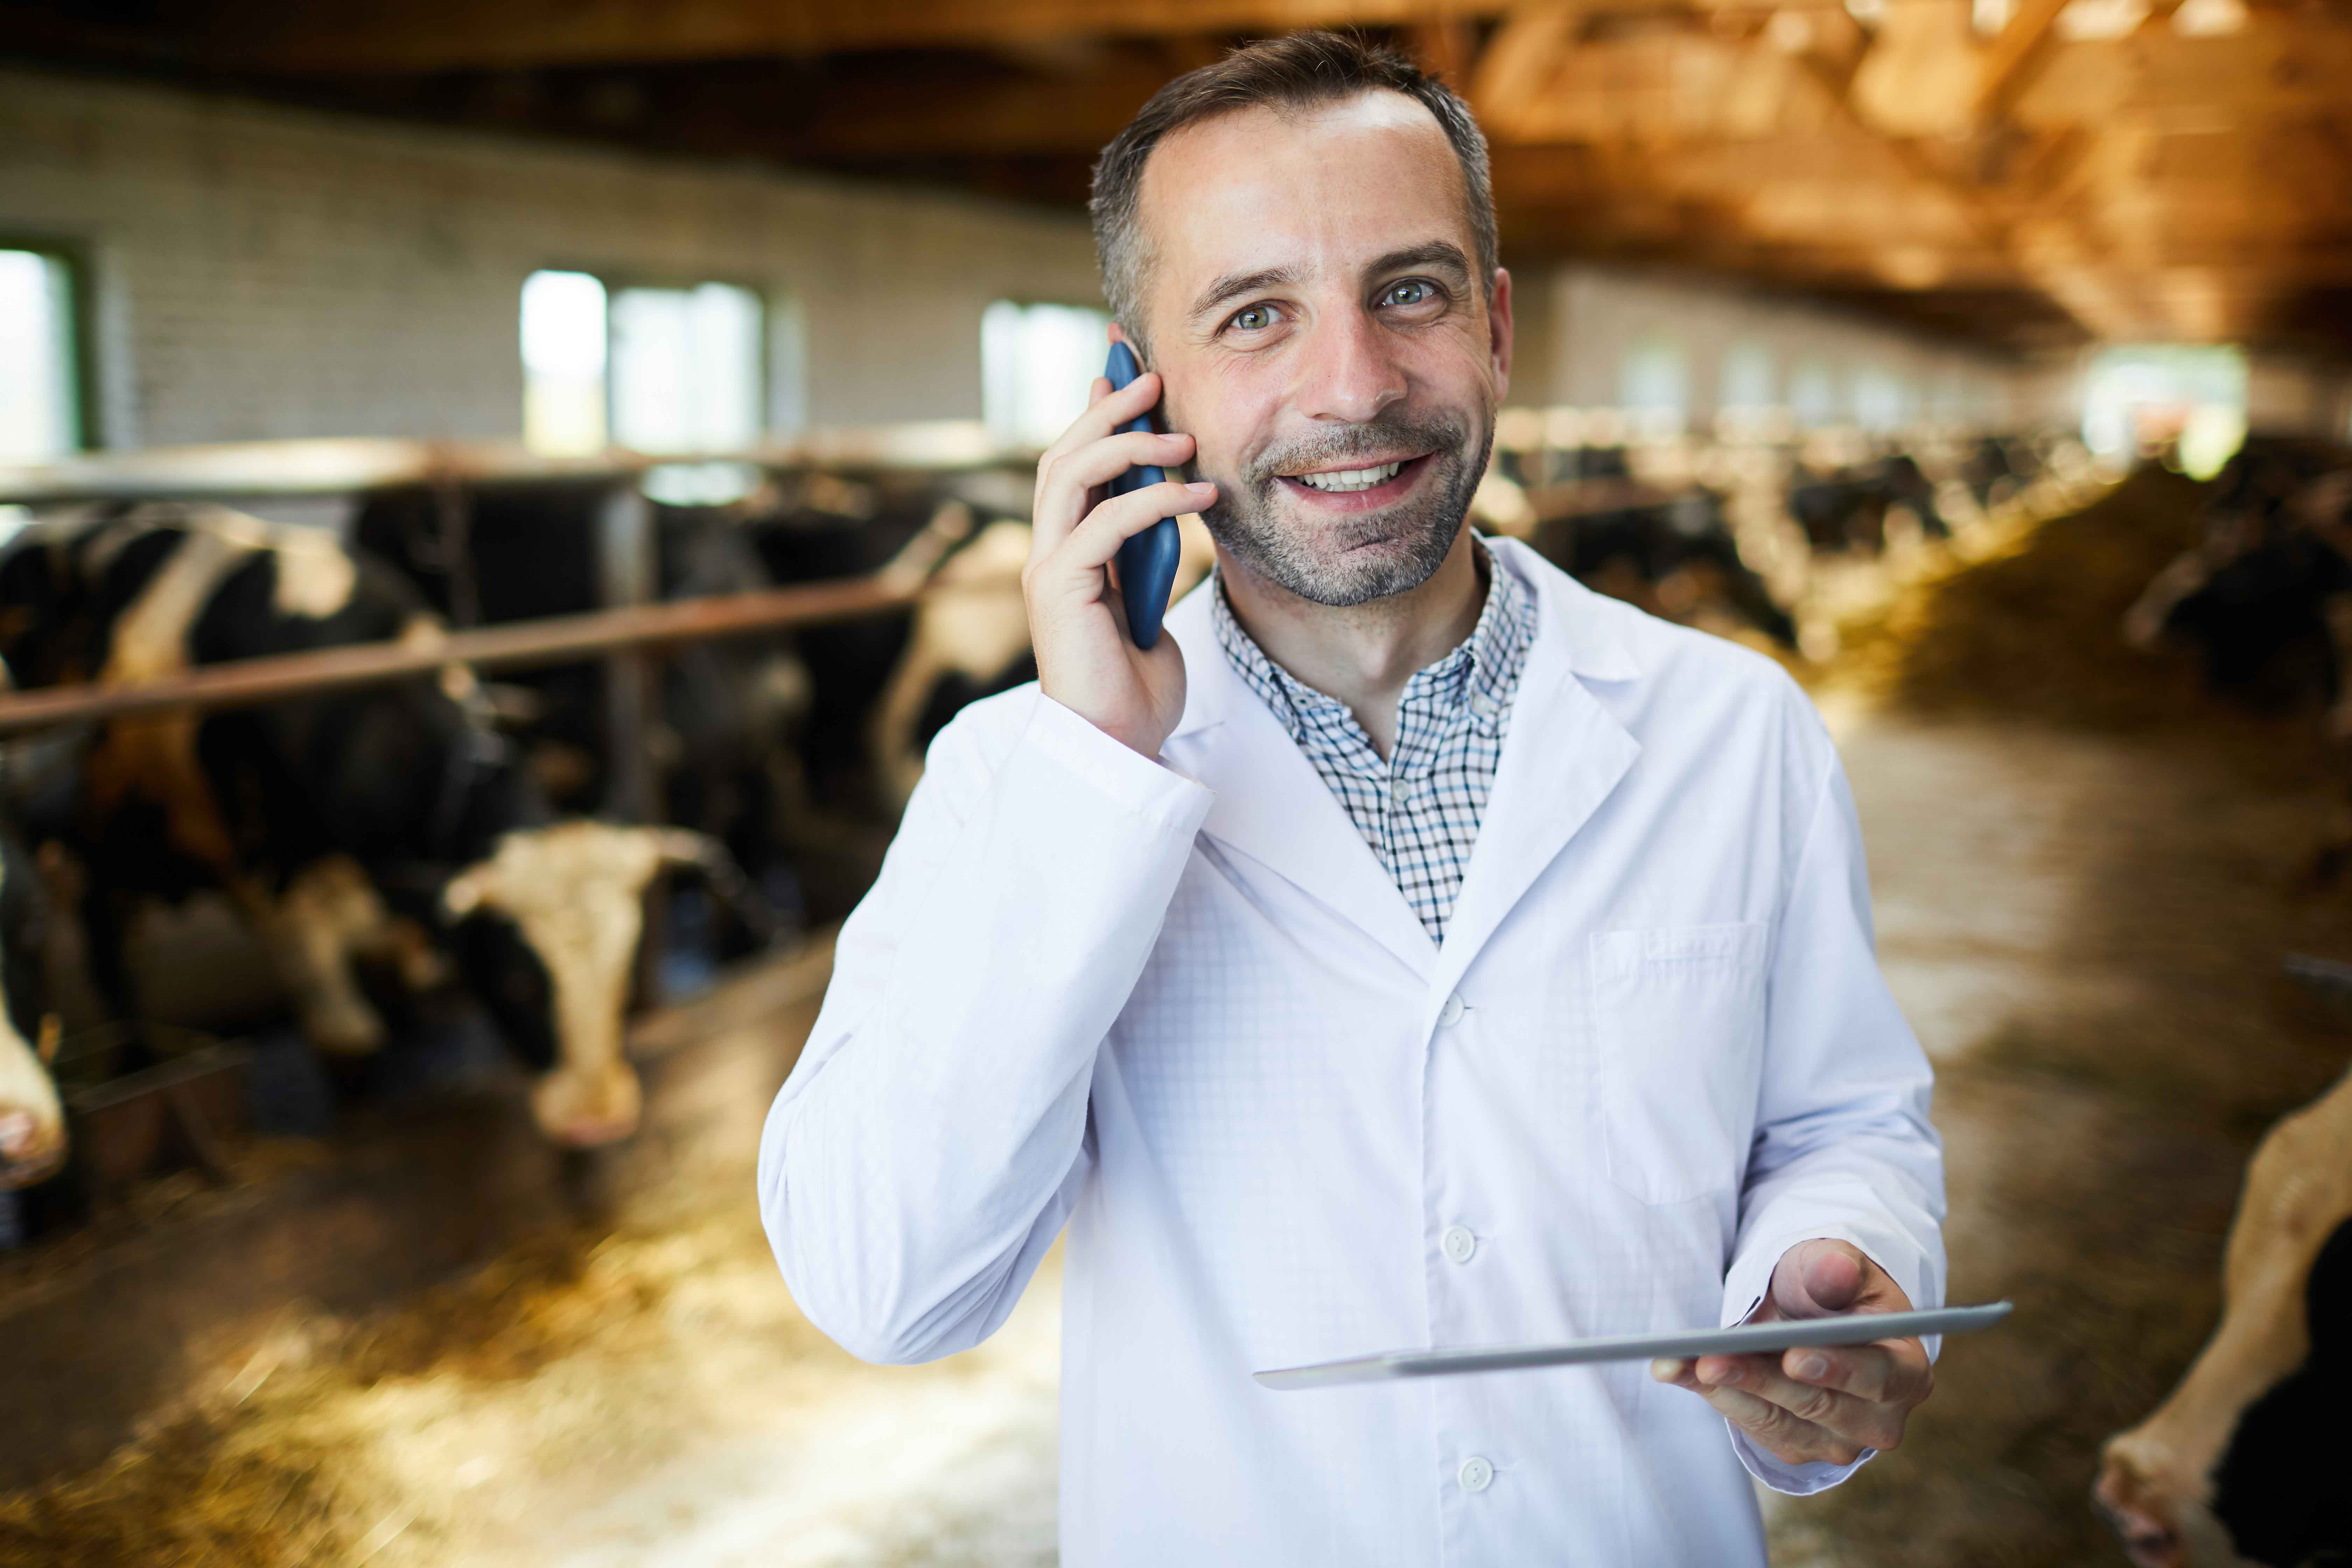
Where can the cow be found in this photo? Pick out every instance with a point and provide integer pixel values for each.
(32, 1121)
(840, 714)
(2249, 1460)
(1847, 508)
(390, 826)
(2265, 597)
(1673, 553)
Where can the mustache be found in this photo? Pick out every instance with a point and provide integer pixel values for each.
(1335, 445)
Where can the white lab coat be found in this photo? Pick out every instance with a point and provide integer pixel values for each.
(1184, 1010)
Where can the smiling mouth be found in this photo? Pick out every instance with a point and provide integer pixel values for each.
(1356, 481)
(1340, 480)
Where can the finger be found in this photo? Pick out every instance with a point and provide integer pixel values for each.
(1863, 1421)
(1892, 1372)
(1066, 485)
(1099, 462)
(1816, 1278)
(1104, 415)
(1791, 1437)
(1094, 541)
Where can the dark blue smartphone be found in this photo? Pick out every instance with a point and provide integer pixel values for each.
(1146, 562)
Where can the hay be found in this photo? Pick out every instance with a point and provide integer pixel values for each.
(267, 1471)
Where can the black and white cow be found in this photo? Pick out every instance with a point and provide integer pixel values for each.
(1673, 554)
(32, 1121)
(2265, 597)
(838, 714)
(391, 823)
(1847, 508)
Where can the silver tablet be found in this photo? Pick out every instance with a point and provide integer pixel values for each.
(1747, 1338)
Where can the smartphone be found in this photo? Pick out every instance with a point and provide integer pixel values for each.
(1146, 562)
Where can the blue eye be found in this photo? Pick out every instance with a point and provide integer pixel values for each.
(1253, 318)
(1412, 291)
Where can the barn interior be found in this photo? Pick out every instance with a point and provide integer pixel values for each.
(1986, 362)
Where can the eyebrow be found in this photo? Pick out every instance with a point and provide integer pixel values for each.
(1436, 254)
(1233, 283)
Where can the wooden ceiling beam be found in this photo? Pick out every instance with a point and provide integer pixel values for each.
(455, 35)
(1521, 63)
(2018, 54)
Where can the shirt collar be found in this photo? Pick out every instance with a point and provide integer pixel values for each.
(1481, 672)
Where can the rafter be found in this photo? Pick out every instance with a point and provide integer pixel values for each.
(444, 35)
(2016, 58)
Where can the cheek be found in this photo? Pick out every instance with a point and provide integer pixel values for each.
(1234, 411)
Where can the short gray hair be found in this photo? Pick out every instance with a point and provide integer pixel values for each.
(1299, 72)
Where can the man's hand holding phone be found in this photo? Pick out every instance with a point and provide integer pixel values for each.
(1086, 660)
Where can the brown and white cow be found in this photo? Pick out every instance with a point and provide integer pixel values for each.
(2249, 1459)
(387, 825)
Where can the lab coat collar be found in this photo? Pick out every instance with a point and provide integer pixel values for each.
(1562, 757)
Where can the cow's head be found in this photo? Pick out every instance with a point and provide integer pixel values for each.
(32, 1122)
(547, 934)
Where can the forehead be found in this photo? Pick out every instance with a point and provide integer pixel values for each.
(1321, 189)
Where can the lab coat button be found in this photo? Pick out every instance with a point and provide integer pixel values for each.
(1459, 1243)
(1476, 1474)
(1451, 1014)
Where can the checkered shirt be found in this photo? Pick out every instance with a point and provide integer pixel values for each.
(1420, 809)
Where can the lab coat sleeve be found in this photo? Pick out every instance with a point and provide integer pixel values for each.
(1843, 1148)
(931, 1140)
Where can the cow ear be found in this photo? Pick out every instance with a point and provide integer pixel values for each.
(683, 847)
(464, 893)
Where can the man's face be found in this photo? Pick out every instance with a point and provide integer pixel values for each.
(1314, 307)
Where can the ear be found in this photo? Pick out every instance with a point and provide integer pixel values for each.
(683, 847)
(465, 891)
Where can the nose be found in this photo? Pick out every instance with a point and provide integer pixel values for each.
(1351, 369)
(2137, 1515)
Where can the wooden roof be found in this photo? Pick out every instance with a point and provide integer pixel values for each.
(2028, 173)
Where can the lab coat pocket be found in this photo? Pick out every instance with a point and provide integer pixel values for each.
(1678, 1020)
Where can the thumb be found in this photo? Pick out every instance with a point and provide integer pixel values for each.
(1816, 1278)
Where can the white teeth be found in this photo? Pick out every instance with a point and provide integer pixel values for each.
(1351, 478)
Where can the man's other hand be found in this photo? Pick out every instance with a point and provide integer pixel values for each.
(1085, 659)
(1817, 1402)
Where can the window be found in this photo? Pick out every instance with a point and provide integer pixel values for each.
(2138, 398)
(1812, 395)
(1882, 401)
(1653, 386)
(40, 364)
(677, 369)
(1036, 363)
(1747, 377)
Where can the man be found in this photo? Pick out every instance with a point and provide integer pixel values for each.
(1412, 949)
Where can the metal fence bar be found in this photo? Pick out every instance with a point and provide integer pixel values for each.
(556, 639)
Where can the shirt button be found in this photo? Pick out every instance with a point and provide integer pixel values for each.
(1400, 790)
(1476, 1474)
(1451, 1014)
(1459, 1243)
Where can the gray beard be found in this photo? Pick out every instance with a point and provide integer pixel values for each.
(1327, 570)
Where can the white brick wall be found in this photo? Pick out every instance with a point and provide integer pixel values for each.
(1577, 323)
(265, 272)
